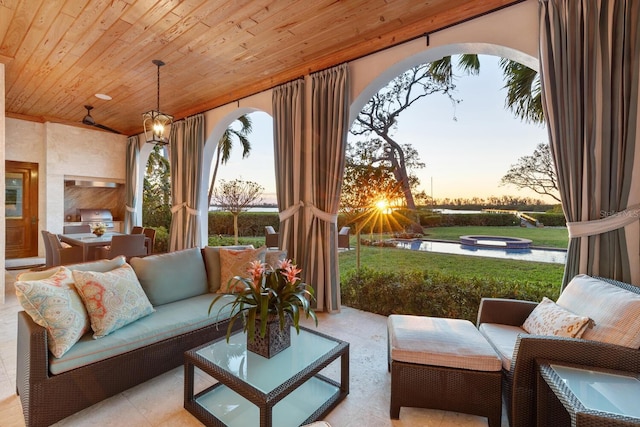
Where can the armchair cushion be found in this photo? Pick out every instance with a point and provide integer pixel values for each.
(548, 318)
(53, 303)
(615, 311)
(503, 339)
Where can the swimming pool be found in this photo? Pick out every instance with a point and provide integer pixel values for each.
(556, 256)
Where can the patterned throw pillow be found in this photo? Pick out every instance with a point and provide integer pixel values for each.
(113, 299)
(54, 304)
(548, 318)
(234, 263)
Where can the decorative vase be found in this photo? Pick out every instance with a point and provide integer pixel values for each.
(98, 233)
(274, 341)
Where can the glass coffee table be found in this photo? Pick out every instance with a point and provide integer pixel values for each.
(590, 396)
(286, 390)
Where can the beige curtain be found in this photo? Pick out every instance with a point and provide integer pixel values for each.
(329, 127)
(589, 56)
(288, 139)
(186, 156)
(131, 182)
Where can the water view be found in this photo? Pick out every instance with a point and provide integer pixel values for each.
(557, 256)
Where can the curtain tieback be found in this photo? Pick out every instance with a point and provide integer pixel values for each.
(290, 211)
(324, 216)
(190, 211)
(610, 222)
(129, 208)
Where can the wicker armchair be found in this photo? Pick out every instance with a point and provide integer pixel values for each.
(271, 237)
(519, 382)
(343, 238)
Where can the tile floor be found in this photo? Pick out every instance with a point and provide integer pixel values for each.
(158, 402)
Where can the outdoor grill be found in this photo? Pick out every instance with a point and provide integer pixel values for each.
(94, 216)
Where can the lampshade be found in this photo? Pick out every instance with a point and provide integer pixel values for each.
(156, 123)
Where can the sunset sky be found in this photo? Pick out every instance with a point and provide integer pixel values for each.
(465, 157)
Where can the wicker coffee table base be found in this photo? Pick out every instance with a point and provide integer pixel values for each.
(448, 389)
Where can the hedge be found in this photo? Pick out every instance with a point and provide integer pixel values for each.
(431, 293)
(249, 223)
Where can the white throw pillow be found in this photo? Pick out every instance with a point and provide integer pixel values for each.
(548, 318)
(615, 312)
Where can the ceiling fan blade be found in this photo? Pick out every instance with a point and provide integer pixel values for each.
(107, 128)
(88, 120)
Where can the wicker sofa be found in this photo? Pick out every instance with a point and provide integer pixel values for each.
(179, 286)
(500, 320)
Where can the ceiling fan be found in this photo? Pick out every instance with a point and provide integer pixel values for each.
(88, 120)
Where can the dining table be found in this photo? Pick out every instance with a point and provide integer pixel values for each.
(88, 242)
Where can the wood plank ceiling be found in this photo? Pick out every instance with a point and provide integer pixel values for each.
(59, 54)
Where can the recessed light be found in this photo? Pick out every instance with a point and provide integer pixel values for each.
(103, 96)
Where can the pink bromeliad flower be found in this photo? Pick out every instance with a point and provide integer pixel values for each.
(284, 264)
(291, 273)
(256, 270)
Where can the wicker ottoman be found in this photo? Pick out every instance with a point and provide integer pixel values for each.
(443, 364)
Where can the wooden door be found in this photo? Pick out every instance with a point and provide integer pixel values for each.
(21, 209)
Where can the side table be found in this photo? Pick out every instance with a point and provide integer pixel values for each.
(578, 395)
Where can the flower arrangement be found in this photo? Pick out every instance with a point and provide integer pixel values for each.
(269, 293)
(99, 229)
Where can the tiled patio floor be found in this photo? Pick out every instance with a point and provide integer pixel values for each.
(158, 402)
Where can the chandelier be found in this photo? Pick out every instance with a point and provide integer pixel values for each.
(156, 123)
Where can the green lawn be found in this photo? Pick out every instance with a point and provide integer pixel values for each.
(553, 237)
(392, 259)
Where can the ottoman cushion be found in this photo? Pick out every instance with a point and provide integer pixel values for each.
(453, 343)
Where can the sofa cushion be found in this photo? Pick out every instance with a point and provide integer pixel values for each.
(112, 299)
(211, 256)
(171, 276)
(548, 318)
(54, 304)
(503, 339)
(167, 321)
(102, 265)
(272, 258)
(235, 263)
(615, 312)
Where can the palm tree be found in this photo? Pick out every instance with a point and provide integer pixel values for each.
(225, 145)
(522, 83)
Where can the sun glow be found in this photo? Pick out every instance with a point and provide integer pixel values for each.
(383, 206)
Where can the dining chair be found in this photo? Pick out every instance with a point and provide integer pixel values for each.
(136, 229)
(73, 229)
(63, 255)
(150, 233)
(48, 251)
(129, 245)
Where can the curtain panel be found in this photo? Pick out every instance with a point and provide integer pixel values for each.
(186, 156)
(329, 127)
(131, 182)
(288, 138)
(589, 58)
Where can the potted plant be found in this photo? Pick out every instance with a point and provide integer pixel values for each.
(99, 229)
(271, 300)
